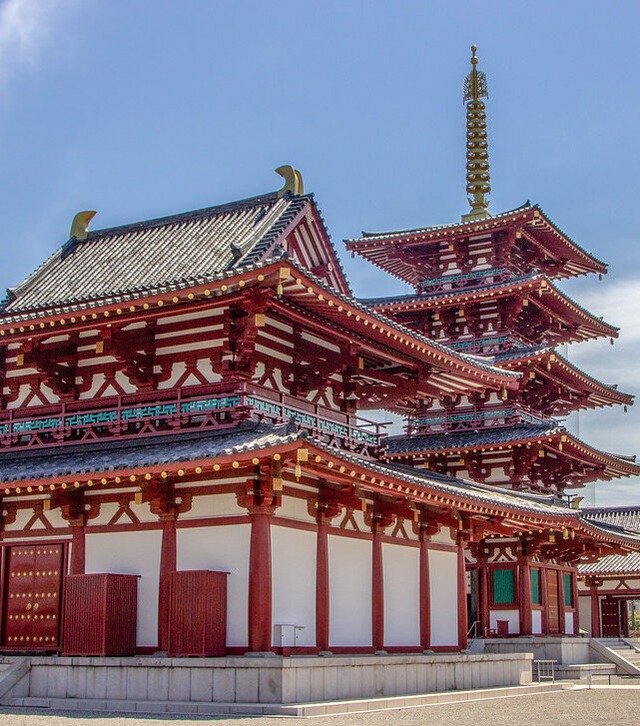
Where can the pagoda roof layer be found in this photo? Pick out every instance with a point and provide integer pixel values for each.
(569, 258)
(168, 250)
(535, 287)
(557, 367)
(551, 436)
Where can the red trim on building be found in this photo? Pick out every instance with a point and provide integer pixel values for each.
(260, 608)
(377, 592)
(462, 599)
(425, 595)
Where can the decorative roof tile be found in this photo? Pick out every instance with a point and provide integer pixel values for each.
(179, 248)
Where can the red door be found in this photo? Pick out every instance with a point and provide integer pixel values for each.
(610, 618)
(33, 583)
(553, 611)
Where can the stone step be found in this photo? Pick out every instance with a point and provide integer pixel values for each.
(277, 709)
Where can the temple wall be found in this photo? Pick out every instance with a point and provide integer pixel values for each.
(443, 580)
(131, 553)
(223, 548)
(349, 591)
(294, 581)
(401, 568)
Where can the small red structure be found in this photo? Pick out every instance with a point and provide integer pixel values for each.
(100, 614)
(198, 613)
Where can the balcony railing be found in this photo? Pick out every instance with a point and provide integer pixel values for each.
(472, 419)
(207, 407)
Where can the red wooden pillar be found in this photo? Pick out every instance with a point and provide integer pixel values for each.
(78, 549)
(485, 619)
(462, 599)
(168, 564)
(260, 610)
(561, 602)
(596, 630)
(576, 603)
(425, 593)
(524, 579)
(377, 591)
(544, 601)
(322, 585)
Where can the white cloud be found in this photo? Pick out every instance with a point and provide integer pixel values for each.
(24, 27)
(618, 301)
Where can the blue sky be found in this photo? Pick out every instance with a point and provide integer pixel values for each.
(139, 109)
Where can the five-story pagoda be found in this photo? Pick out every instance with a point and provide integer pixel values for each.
(487, 286)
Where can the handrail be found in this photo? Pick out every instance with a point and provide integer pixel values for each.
(170, 410)
(475, 626)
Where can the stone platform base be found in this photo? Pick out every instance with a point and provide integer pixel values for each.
(300, 710)
(564, 650)
(245, 680)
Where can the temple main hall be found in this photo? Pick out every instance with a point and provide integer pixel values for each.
(191, 463)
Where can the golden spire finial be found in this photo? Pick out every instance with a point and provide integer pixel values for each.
(478, 176)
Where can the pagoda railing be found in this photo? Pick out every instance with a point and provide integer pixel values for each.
(473, 418)
(461, 281)
(168, 412)
(497, 342)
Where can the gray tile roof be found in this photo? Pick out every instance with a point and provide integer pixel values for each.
(624, 517)
(464, 439)
(143, 255)
(613, 565)
(99, 457)
(131, 453)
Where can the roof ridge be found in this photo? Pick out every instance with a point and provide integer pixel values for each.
(366, 235)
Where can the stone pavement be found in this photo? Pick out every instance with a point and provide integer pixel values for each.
(601, 705)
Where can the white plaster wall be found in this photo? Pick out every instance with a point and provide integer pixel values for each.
(131, 553)
(584, 609)
(443, 537)
(22, 517)
(443, 583)
(568, 623)
(349, 591)
(294, 580)
(513, 616)
(294, 508)
(226, 549)
(214, 505)
(536, 622)
(401, 573)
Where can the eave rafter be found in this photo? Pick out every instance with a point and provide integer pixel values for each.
(537, 293)
(551, 245)
(318, 307)
(556, 458)
(573, 389)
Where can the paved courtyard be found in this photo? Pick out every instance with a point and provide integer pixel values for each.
(620, 706)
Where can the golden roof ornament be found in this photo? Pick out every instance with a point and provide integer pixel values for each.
(478, 175)
(292, 180)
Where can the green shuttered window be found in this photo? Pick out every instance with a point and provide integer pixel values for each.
(568, 600)
(535, 587)
(503, 587)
